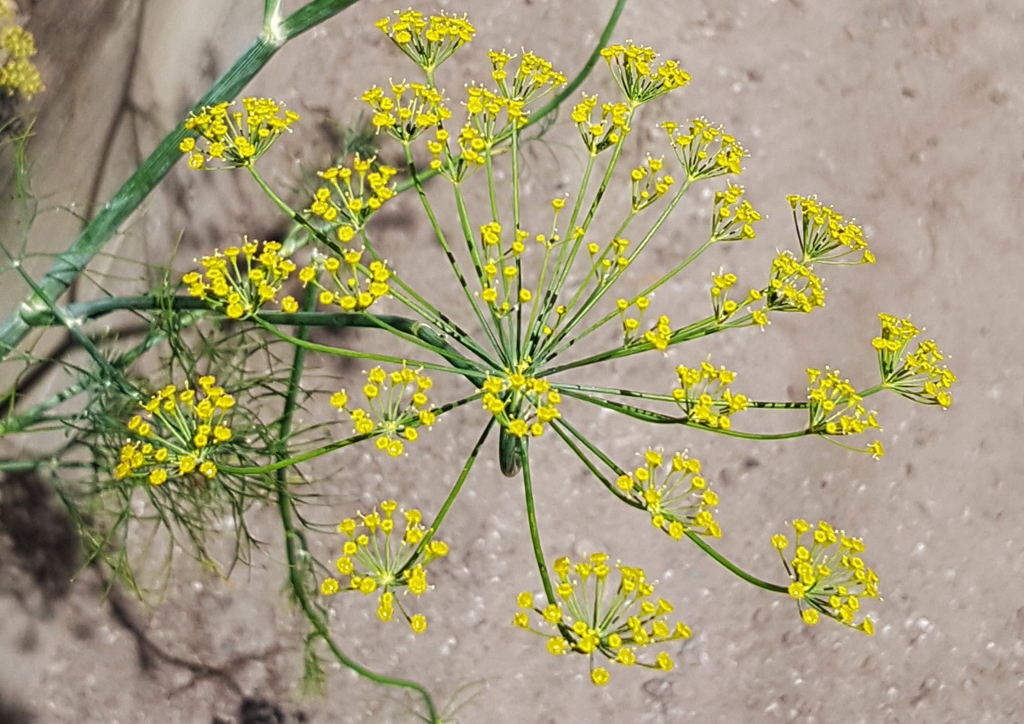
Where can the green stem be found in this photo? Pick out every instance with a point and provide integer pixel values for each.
(291, 213)
(550, 295)
(732, 567)
(531, 516)
(312, 14)
(417, 304)
(72, 262)
(518, 341)
(656, 397)
(611, 315)
(100, 307)
(271, 17)
(657, 418)
(73, 326)
(497, 342)
(558, 428)
(456, 489)
(294, 547)
(443, 240)
(331, 447)
(339, 352)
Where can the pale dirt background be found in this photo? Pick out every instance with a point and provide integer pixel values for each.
(907, 114)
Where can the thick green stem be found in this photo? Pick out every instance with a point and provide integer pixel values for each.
(69, 264)
(353, 354)
(97, 308)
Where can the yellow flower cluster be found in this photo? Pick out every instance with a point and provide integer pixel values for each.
(825, 236)
(654, 186)
(608, 262)
(535, 78)
(678, 500)
(485, 114)
(734, 217)
(410, 110)
(835, 408)
(397, 405)
(178, 434)
(17, 45)
(660, 335)
(704, 395)
(594, 618)
(235, 140)
(355, 287)
(354, 195)
(829, 576)
(241, 290)
(916, 376)
(605, 133)
(723, 307)
(705, 151)
(631, 325)
(373, 561)
(492, 114)
(794, 287)
(471, 155)
(427, 41)
(640, 82)
(523, 405)
(500, 268)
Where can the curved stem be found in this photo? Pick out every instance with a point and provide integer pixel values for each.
(288, 211)
(294, 546)
(732, 567)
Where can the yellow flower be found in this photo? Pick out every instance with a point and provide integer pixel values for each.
(352, 195)
(596, 618)
(235, 140)
(917, 376)
(427, 40)
(825, 236)
(241, 289)
(397, 406)
(674, 494)
(828, 576)
(156, 449)
(638, 79)
(377, 557)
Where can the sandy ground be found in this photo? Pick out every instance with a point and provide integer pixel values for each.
(907, 114)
